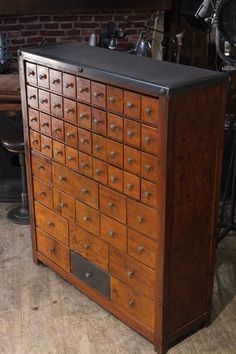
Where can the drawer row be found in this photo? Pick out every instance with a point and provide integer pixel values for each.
(119, 290)
(124, 130)
(107, 150)
(104, 96)
(91, 220)
(111, 203)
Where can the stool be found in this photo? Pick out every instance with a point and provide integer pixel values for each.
(13, 141)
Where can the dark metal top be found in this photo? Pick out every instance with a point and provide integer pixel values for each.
(153, 75)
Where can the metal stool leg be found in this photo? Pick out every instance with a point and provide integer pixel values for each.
(20, 214)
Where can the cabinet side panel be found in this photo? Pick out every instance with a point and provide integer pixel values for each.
(197, 122)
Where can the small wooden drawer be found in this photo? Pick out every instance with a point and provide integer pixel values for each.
(85, 143)
(87, 192)
(132, 272)
(55, 83)
(150, 141)
(132, 160)
(35, 141)
(83, 89)
(44, 101)
(115, 153)
(43, 76)
(150, 167)
(42, 167)
(149, 193)
(94, 277)
(58, 129)
(71, 135)
(100, 171)
(32, 97)
(114, 233)
(31, 73)
(142, 248)
(98, 94)
(52, 223)
(88, 218)
(113, 204)
(132, 104)
(115, 126)
(46, 146)
(99, 121)
(84, 115)
(70, 113)
(115, 99)
(53, 250)
(100, 147)
(142, 218)
(115, 178)
(132, 185)
(89, 246)
(72, 158)
(43, 192)
(85, 164)
(33, 117)
(59, 154)
(64, 204)
(69, 86)
(150, 110)
(64, 179)
(138, 305)
(132, 133)
(45, 124)
(56, 105)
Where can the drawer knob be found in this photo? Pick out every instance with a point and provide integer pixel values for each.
(69, 135)
(148, 140)
(148, 111)
(130, 273)
(42, 193)
(148, 168)
(62, 205)
(87, 246)
(113, 127)
(97, 94)
(40, 167)
(85, 218)
(31, 73)
(32, 97)
(97, 147)
(70, 158)
(98, 172)
(34, 119)
(112, 99)
(46, 146)
(111, 233)
(42, 76)
(83, 141)
(130, 133)
(69, 84)
(52, 250)
(130, 160)
(140, 249)
(56, 105)
(113, 154)
(56, 81)
(83, 89)
(62, 178)
(57, 130)
(50, 223)
(44, 100)
(129, 186)
(113, 179)
(97, 121)
(34, 141)
(131, 303)
(84, 191)
(147, 194)
(45, 124)
(57, 152)
(140, 219)
(88, 275)
(110, 205)
(130, 105)
(83, 165)
(83, 116)
(69, 110)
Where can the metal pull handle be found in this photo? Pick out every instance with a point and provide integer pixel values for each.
(113, 127)
(83, 89)
(113, 179)
(32, 97)
(110, 205)
(62, 178)
(34, 141)
(42, 76)
(97, 121)
(58, 152)
(44, 100)
(148, 168)
(148, 139)
(67, 84)
(55, 105)
(130, 273)
(33, 119)
(86, 218)
(84, 191)
(62, 205)
(83, 141)
(112, 99)
(130, 105)
(31, 73)
(97, 94)
(130, 133)
(69, 135)
(147, 194)
(46, 146)
(83, 116)
(98, 172)
(56, 81)
(69, 110)
(83, 165)
(111, 233)
(70, 158)
(140, 249)
(113, 154)
(140, 219)
(88, 275)
(45, 124)
(130, 160)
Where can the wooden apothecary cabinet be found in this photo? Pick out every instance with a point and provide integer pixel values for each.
(123, 161)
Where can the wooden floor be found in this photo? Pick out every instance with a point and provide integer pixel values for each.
(41, 314)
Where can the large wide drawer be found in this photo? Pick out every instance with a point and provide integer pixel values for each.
(90, 274)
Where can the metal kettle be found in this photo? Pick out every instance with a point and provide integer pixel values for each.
(143, 46)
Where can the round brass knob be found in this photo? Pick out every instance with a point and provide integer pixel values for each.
(113, 179)
(113, 154)
(147, 194)
(148, 111)
(130, 133)
(112, 99)
(148, 140)
(85, 218)
(130, 105)
(62, 205)
(140, 249)
(140, 219)
(130, 160)
(98, 172)
(130, 273)
(110, 205)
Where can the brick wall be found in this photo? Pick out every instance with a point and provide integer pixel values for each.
(31, 30)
